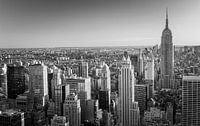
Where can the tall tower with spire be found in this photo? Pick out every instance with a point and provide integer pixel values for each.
(167, 57)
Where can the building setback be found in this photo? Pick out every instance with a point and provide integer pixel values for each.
(167, 58)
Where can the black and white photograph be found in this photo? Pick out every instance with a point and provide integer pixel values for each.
(99, 62)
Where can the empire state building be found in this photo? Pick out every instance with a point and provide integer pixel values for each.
(167, 58)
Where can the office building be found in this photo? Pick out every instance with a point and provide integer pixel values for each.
(167, 58)
(105, 78)
(59, 121)
(22, 101)
(57, 94)
(141, 96)
(141, 63)
(38, 84)
(106, 119)
(72, 110)
(149, 69)
(104, 100)
(83, 69)
(50, 77)
(136, 114)
(191, 101)
(90, 110)
(126, 91)
(81, 87)
(104, 93)
(11, 118)
(149, 77)
(3, 79)
(78, 84)
(170, 113)
(15, 81)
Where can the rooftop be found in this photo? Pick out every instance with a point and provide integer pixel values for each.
(191, 78)
(9, 112)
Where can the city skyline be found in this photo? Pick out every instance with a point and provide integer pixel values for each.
(89, 23)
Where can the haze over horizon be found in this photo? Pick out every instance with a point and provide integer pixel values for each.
(87, 23)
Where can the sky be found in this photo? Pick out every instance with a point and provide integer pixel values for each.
(82, 23)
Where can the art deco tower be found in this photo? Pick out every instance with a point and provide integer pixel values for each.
(128, 113)
(167, 57)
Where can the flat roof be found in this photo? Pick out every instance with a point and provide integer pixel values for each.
(191, 78)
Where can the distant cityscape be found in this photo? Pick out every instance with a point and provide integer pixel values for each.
(156, 85)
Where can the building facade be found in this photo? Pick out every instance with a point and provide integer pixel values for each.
(38, 84)
(59, 121)
(126, 92)
(191, 101)
(72, 110)
(167, 58)
(15, 81)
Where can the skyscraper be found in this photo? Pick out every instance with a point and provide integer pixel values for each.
(83, 69)
(3, 78)
(191, 101)
(141, 96)
(149, 77)
(72, 110)
(167, 57)
(57, 90)
(105, 78)
(104, 93)
(15, 81)
(82, 87)
(38, 84)
(11, 118)
(126, 92)
(104, 100)
(141, 64)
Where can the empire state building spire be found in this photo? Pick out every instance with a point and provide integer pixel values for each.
(166, 25)
(167, 57)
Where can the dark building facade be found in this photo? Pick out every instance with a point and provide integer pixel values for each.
(50, 77)
(15, 81)
(141, 96)
(11, 118)
(104, 100)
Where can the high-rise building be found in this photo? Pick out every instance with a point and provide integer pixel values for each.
(126, 91)
(104, 93)
(3, 79)
(15, 81)
(82, 87)
(38, 84)
(57, 94)
(50, 77)
(105, 78)
(191, 101)
(149, 77)
(167, 58)
(141, 63)
(170, 113)
(141, 96)
(149, 70)
(136, 114)
(106, 119)
(104, 100)
(83, 69)
(11, 118)
(90, 110)
(78, 84)
(22, 101)
(72, 110)
(59, 121)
